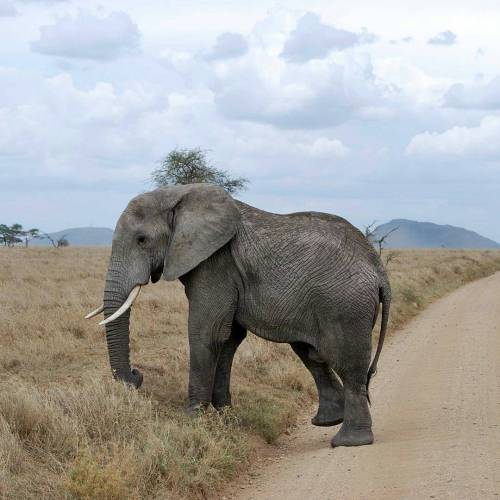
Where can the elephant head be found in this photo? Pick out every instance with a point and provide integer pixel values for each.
(168, 231)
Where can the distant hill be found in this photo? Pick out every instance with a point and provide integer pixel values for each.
(413, 234)
(86, 236)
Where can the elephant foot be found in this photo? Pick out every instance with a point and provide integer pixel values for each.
(195, 410)
(222, 408)
(221, 402)
(351, 436)
(328, 416)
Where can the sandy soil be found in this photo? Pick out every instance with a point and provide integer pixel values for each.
(436, 413)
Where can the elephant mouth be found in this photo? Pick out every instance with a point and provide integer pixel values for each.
(155, 277)
(156, 274)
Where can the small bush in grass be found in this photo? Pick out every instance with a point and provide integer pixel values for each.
(410, 295)
(11, 453)
(89, 479)
(36, 420)
(186, 456)
(296, 380)
(106, 410)
(436, 269)
(196, 455)
(266, 416)
(118, 445)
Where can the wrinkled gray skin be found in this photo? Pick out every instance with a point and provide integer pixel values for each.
(309, 279)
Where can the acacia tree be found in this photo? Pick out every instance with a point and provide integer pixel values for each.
(10, 235)
(16, 234)
(187, 166)
(62, 242)
(31, 234)
(376, 239)
(59, 242)
(4, 234)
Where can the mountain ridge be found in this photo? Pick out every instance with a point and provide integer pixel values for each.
(417, 234)
(80, 236)
(410, 234)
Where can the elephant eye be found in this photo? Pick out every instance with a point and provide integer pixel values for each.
(141, 239)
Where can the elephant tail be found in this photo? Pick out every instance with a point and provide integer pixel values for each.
(385, 300)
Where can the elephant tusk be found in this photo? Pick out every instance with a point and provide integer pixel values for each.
(125, 306)
(95, 313)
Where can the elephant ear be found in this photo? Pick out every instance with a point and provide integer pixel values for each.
(205, 219)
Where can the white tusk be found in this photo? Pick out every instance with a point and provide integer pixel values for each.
(126, 305)
(95, 313)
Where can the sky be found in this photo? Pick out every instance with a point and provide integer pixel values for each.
(369, 110)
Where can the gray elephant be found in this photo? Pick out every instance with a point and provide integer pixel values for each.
(309, 279)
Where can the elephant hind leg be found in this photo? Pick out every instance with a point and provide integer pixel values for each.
(221, 395)
(355, 353)
(330, 390)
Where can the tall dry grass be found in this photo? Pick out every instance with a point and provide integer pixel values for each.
(418, 277)
(67, 430)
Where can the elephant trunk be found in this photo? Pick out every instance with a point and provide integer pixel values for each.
(117, 333)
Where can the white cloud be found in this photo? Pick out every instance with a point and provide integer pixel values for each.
(228, 46)
(328, 133)
(312, 39)
(443, 38)
(480, 52)
(322, 93)
(98, 130)
(89, 37)
(116, 135)
(481, 142)
(7, 9)
(416, 86)
(480, 96)
(101, 105)
(322, 147)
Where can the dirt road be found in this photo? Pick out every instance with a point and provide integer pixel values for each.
(436, 413)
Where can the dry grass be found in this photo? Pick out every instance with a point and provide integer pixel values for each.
(419, 277)
(66, 430)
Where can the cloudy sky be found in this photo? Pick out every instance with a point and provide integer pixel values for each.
(384, 110)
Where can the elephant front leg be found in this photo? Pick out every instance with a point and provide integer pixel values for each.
(221, 395)
(207, 338)
(202, 367)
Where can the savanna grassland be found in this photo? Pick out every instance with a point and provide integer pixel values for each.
(67, 430)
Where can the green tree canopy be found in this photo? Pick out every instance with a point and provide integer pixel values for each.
(10, 235)
(188, 166)
(31, 234)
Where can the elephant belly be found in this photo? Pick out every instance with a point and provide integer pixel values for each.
(305, 313)
(273, 318)
(276, 334)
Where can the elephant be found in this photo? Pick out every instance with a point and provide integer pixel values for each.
(309, 279)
